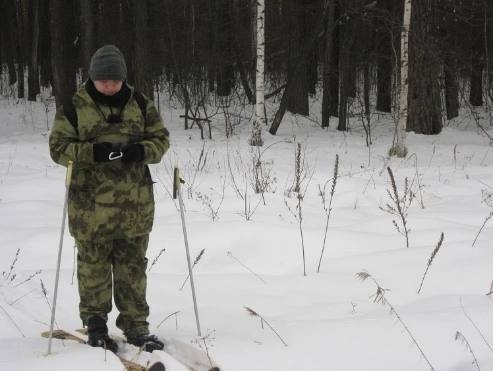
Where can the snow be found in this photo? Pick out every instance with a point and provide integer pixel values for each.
(329, 320)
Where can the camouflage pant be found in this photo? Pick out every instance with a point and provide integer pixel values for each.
(122, 263)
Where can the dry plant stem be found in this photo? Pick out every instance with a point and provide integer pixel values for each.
(475, 326)
(430, 260)
(297, 168)
(156, 259)
(463, 340)
(244, 266)
(379, 297)
(45, 295)
(418, 178)
(12, 266)
(202, 343)
(329, 209)
(300, 221)
(195, 262)
(164, 320)
(399, 207)
(255, 314)
(28, 279)
(12, 320)
(482, 227)
(21, 297)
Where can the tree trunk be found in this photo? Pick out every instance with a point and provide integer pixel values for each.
(367, 92)
(62, 50)
(110, 28)
(276, 122)
(334, 68)
(309, 43)
(424, 109)
(20, 46)
(7, 38)
(477, 56)
(476, 93)
(451, 87)
(88, 29)
(297, 61)
(224, 61)
(45, 45)
(399, 147)
(327, 62)
(384, 84)
(259, 120)
(488, 6)
(384, 61)
(344, 83)
(33, 73)
(142, 79)
(347, 84)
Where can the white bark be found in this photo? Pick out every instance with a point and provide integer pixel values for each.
(259, 118)
(399, 148)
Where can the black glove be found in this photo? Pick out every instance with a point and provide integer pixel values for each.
(102, 151)
(133, 152)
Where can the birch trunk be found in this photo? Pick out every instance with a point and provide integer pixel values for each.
(399, 148)
(259, 120)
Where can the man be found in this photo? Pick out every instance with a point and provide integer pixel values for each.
(111, 133)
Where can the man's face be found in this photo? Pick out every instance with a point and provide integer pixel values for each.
(108, 87)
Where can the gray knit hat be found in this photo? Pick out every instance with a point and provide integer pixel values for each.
(108, 63)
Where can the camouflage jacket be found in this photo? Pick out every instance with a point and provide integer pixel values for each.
(108, 200)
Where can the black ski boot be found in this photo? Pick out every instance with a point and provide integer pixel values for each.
(97, 332)
(146, 342)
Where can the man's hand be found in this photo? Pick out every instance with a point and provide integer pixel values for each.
(133, 153)
(102, 151)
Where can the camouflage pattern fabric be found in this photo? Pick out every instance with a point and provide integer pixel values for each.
(125, 260)
(108, 200)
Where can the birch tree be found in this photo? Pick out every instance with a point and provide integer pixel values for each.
(399, 146)
(259, 118)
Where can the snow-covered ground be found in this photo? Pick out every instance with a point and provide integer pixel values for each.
(329, 320)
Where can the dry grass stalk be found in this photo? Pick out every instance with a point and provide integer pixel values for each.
(329, 208)
(399, 205)
(475, 326)
(298, 216)
(463, 340)
(12, 320)
(9, 276)
(244, 266)
(168, 316)
(482, 227)
(297, 169)
(379, 297)
(205, 343)
(28, 278)
(255, 314)
(156, 259)
(45, 295)
(195, 262)
(430, 260)
(21, 297)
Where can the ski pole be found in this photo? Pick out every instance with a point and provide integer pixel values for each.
(177, 181)
(68, 178)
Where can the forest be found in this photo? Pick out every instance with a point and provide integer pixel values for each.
(203, 54)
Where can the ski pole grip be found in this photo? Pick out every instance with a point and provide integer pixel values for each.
(68, 177)
(176, 182)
